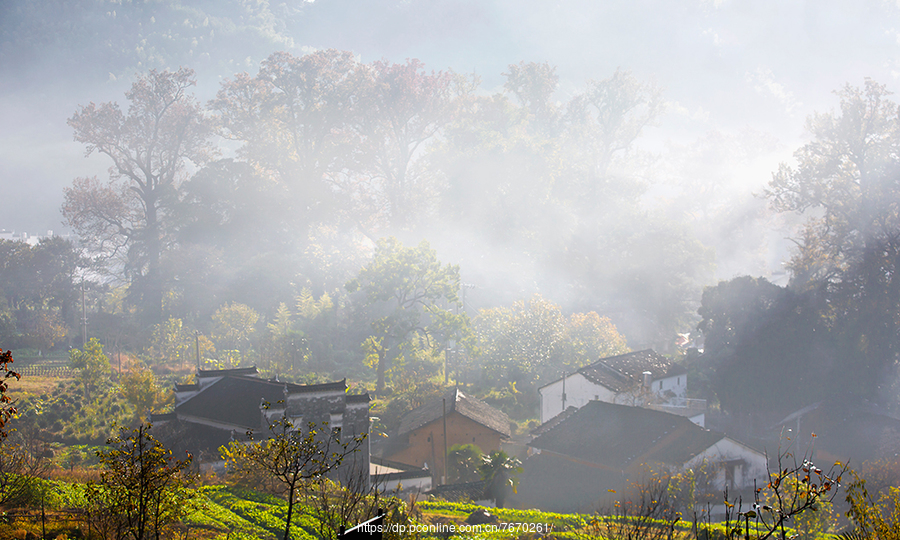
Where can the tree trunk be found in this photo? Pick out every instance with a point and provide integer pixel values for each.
(287, 521)
(153, 280)
(382, 367)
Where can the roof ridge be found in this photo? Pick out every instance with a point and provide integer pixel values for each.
(466, 405)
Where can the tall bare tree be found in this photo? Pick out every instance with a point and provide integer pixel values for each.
(150, 145)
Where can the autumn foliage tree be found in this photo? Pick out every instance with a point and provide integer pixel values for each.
(403, 112)
(343, 139)
(92, 365)
(533, 85)
(7, 407)
(533, 341)
(37, 291)
(292, 120)
(139, 388)
(149, 146)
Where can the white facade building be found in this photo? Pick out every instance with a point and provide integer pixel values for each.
(639, 378)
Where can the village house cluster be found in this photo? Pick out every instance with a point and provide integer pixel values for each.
(600, 426)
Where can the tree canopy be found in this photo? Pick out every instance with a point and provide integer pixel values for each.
(149, 146)
(850, 252)
(413, 302)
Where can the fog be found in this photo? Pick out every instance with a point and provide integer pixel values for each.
(738, 80)
(715, 180)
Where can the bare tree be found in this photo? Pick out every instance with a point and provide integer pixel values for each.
(291, 456)
(342, 505)
(645, 512)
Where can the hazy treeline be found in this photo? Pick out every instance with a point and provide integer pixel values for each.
(327, 155)
(833, 333)
(284, 253)
(266, 224)
(258, 252)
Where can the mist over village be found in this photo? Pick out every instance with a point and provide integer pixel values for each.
(428, 269)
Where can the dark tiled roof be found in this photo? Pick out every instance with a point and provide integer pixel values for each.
(622, 372)
(186, 387)
(358, 398)
(853, 432)
(605, 375)
(553, 422)
(634, 364)
(617, 436)
(467, 406)
(223, 372)
(235, 400)
(468, 491)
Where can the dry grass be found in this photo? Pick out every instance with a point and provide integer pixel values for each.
(78, 475)
(35, 386)
(27, 525)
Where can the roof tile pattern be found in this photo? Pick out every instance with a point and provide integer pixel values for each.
(459, 402)
(203, 373)
(236, 399)
(620, 373)
(618, 436)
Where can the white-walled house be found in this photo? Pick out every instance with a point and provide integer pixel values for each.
(636, 378)
(739, 465)
(581, 456)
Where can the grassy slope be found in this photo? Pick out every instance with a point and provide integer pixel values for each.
(227, 513)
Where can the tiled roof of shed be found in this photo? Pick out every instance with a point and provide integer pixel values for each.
(459, 402)
(358, 398)
(468, 491)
